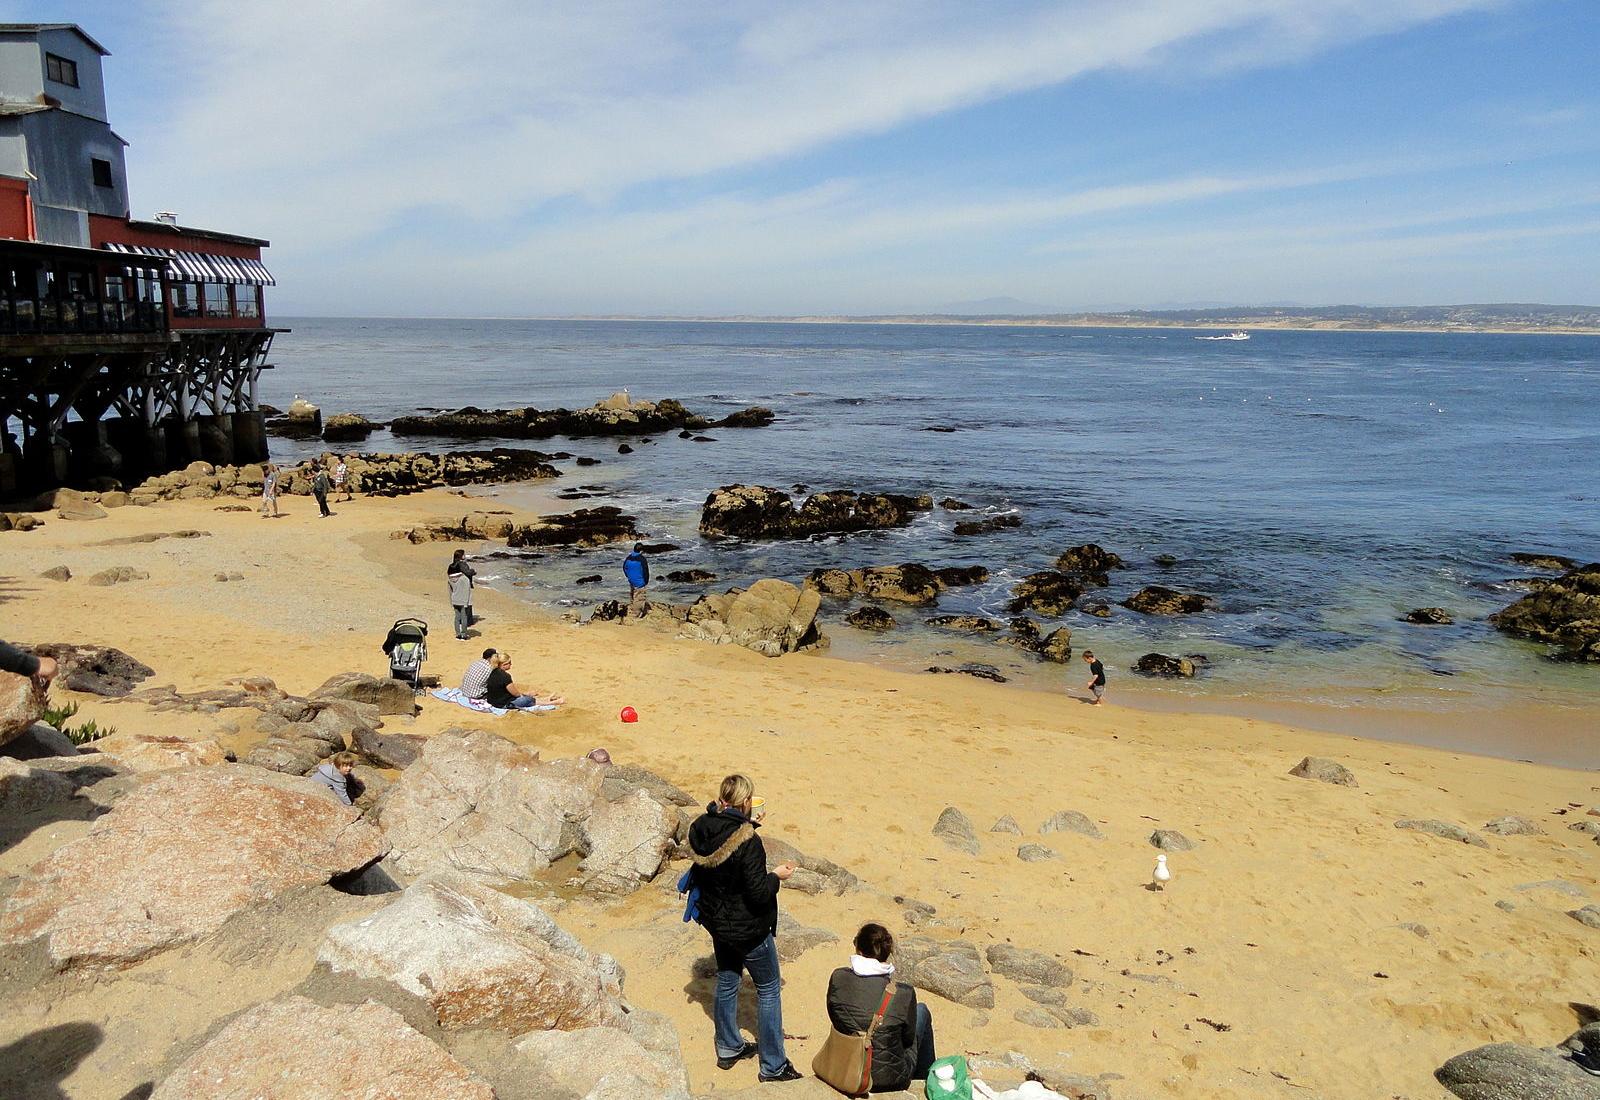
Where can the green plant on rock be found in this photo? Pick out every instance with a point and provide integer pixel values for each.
(81, 734)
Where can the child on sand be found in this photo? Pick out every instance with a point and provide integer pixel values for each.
(1097, 677)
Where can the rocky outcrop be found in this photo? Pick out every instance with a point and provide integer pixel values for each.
(153, 752)
(955, 829)
(118, 574)
(1553, 563)
(1001, 522)
(870, 618)
(1564, 613)
(971, 668)
(177, 857)
(294, 1047)
(479, 958)
(1511, 1071)
(1512, 825)
(967, 624)
(93, 669)
(1091, 560)
(1049, 592)
(388, 750)
(906, 583)
(585, 527)
(1157, 600)
(1026, 635)
(771, 617)
(347, 428)
(373, 474)
(813, 874)
(759, 512)
(626, 841)
(18, 521)
(1164, 664)
(601, 1063)
(1324, 771)
(1027, 967)
(952, 969)
(1427, 616)
(1444, 830)
(618, 415)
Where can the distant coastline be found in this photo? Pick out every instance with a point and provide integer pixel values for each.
(1502, 319)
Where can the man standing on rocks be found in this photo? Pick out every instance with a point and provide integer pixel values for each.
(636, 567)
(39, 669)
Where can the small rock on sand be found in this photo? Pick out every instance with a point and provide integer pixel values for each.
(1071, 821)
(1444, 830)
(1036, 853)
(1324, 771)
(1588, 916)
(1022, 965)
(57, 573)
(118, 574)
(955, 829)
(1513, 826)
(1006, 824)
(1170, 840)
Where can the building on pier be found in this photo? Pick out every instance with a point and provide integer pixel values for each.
(127, 347)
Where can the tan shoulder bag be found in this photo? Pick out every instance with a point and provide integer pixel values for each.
(845, 1061)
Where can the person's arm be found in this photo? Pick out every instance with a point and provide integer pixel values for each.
(468, 570)
(644, 561)
(760, 885)
(13, 659)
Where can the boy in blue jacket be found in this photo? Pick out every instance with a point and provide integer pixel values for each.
(637, 569)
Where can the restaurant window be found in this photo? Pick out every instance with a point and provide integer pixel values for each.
(102, 172)
(216, 300)
(185, 300)
(61, 69)
(244, 301)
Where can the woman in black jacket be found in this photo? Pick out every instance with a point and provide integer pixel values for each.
(739, 906)
(902, 1047)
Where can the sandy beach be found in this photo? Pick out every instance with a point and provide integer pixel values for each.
(1305, 947)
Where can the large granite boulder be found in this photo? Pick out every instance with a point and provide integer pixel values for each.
(771, 617)
(1511, 1071)
(388, 695)
(625, 841)
(1071, 821)
(152, 752)
(1157, 600)
(177, 857)
(479, 958)
(600, 1062)
(296, 1048)
(21, 705)
(813, 874)
(1565, 612)
(477, 803)
(759, 512)
(952, 969)
(388, 750)
(1027, 967)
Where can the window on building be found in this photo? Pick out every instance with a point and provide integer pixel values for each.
(61, 70)
(185, 300)
(245, 303)
(102, 172)
(216, 300)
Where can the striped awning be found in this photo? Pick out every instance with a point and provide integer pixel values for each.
(202, 267)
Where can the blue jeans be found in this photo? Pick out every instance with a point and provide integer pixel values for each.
(925, 1056)
(762, 962)
(463, 620)
(522, 702)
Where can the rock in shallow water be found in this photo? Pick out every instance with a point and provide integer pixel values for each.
(1565, 612)
(1428, 616)
(1157, 600)
(870, 618)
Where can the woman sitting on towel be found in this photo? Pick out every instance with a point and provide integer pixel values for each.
(902, 1047)
(506, 695)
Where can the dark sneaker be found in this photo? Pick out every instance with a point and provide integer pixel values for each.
(788, 1073)
(749, 1051)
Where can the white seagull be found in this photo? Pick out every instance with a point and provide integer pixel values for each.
(1161, 876)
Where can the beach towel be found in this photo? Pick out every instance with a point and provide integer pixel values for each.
(453, 695)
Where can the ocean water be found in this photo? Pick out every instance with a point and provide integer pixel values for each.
(1318, 484)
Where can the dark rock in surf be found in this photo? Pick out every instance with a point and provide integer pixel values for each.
(993, 523)
(617, 415)
(971, 624)
(1098, 610)
(951, 504)
(624, 449)
(1090, 559)
(759, 512)
(585, 527)
(586, 460)
(592, 578)
(1026, 635)
(1565, 612)
(982, 672)
(691, 576)
(1555, 563)
(960, 576)
(1048, 592)
(1166, 561)
(1163, 664)
(870, 618)
(347, 428)
(756, 416)
(1156, 600)
(1428, 616)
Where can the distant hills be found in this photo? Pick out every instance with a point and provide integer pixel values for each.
(1497, 317)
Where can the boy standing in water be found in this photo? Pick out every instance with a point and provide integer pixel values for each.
(636, 568)
(1097, 677)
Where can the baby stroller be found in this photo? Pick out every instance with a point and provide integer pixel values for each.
(407, 647)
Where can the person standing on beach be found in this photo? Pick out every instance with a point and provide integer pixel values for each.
(738, 904)
(341, 478)
(636, 567)
(319, 488)
(458, 574)
(1097, 677)
(269, 490)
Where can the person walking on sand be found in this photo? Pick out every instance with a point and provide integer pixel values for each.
(738, 904)
(319, 488)
(636, 567)
(1097, 677)
(269, 490)
(341, 478)
(458, 574)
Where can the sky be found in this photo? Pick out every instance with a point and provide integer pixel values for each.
(417, 158)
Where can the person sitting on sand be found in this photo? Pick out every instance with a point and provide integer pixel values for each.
(335, 775)
(1097, 677)
(902, 1045)
(503, 693)
(475, 681)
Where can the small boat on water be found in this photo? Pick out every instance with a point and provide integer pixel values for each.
(1237, 334)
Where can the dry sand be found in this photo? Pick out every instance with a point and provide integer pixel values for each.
(1277, 962)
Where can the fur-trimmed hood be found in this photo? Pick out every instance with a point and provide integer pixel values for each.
(717, 834)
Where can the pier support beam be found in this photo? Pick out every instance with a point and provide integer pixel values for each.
(249, 437)
(92, 452)
(216, 438)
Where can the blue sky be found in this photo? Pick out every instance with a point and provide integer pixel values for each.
(411, 158)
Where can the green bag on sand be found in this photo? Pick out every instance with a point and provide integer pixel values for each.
(957, 1087)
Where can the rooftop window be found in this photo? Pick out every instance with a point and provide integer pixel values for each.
(60, 69)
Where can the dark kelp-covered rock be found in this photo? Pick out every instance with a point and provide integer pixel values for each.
(1565, 612)
(1025, 634)
(1157, 600)
(1428, 616)
(94, 669)
(870, 618)
(760, 512)
(617, 415)
(907, 583)
(1164, 664)
(992, 523)
(585, 527)
(1090, 559)
(1049, 592)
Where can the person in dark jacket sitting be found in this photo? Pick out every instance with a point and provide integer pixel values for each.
(739, 907)
(902, 1047)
